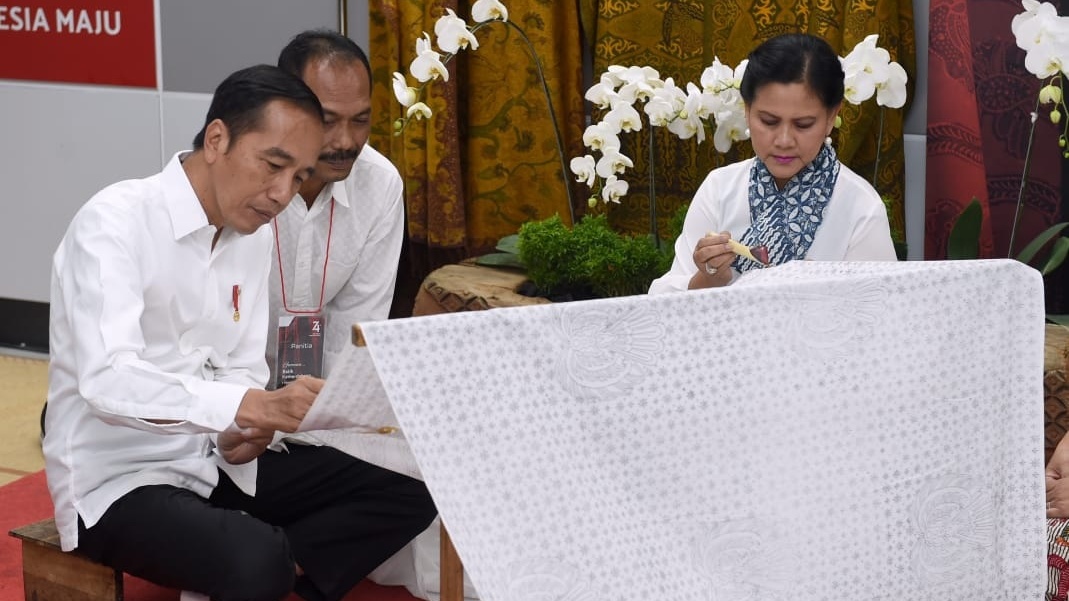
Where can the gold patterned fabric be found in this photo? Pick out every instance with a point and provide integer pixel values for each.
(680, 38)
(487, 161)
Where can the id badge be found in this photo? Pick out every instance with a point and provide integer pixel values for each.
(300, 348)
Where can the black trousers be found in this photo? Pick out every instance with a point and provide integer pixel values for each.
(335, 516)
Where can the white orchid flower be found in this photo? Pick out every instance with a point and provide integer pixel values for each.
(1044, 36)
(1032, 26)
(419, 110)
(702, 103)
(1051, 55)
(488, 10)
(665, 104)
(601, 136)
(613, 190)
(866, 67)
(858, 85)
(612, 73)
(687, 127)
(647, 74)
(428, 64)
(892, 92)
(612, 161)
(688, 123)
(723, 81)
(730, 128)
(623, 117)
(602, 94)
(404, 93)
(740, 71)
(660, 110)
(716, 77)
(453, 33)
(583, 168)
(638, 90)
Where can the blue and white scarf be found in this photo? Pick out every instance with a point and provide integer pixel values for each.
(786, 220)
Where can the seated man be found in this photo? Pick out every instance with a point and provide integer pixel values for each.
(338, 245)
(158, 420)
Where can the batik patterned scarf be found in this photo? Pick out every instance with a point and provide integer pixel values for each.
(786, 220)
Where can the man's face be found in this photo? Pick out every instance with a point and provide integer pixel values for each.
(256, 175)
(344, 90)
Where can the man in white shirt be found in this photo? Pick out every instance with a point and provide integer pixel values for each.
(158, 419)
(339, 241)
(335, 265)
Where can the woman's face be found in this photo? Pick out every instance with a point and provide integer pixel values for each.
(788, 123)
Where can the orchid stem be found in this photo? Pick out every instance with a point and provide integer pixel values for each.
(1024, 180)
(446, 59)
(653, 197)
(879, 147)
(552, 113)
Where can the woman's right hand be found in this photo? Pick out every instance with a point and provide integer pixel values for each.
(713, 256)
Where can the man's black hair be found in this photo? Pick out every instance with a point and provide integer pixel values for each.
(316, 44)
(240, 99)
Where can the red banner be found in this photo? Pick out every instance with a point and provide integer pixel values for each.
(106, 42)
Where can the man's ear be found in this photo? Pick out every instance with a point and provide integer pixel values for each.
(216, 140)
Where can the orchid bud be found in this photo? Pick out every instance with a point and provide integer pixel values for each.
(1055, 116)
(1050, 93)
(398, 125)
(592, 202)
(1061, 142)
(838, 121)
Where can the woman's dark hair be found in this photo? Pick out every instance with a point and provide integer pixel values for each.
(240, 99)
(795, 58)
(317, 44)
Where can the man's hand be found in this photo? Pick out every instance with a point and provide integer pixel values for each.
(281, 409)
(242, 446)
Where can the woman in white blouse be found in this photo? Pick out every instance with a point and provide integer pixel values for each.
(794, 197)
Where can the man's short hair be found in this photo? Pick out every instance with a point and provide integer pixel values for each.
(315, 44)
(240, 99)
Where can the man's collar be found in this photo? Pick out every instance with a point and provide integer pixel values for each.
(336, 190)
(184, 207)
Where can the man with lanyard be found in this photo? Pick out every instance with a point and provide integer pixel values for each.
(335, 262)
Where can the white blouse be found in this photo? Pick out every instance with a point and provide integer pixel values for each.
(854, 228)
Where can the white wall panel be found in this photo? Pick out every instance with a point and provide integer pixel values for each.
(916, 161)
(203, 41)
(183, 116)
(60, 145)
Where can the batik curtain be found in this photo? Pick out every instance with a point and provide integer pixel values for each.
(488, 160)
(681, 38)
(980, 102)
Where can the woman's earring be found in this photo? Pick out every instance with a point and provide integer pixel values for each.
(827, 141)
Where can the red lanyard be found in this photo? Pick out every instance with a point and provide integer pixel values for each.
(326, 257)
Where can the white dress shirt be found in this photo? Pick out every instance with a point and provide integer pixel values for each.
(855, 226)
(365, 246)
(142, 328)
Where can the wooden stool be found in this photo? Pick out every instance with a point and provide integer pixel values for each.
(49, 574)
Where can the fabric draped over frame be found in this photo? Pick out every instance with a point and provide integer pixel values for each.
(680, 38)
(487, 161)
(980, 100)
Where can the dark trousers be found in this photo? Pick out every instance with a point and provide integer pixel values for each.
(333, 515)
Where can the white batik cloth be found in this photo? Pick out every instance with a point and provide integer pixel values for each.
(816, 431)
